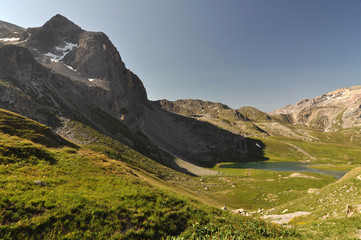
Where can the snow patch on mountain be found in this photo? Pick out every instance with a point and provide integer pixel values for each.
(9, 39)
(24, 40)
(70, 67)
(62, 52)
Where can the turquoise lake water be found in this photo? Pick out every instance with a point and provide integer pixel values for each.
(285, 166)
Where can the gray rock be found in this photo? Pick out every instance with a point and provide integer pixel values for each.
(41, 183)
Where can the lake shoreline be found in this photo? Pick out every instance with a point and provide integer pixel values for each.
(285, 167)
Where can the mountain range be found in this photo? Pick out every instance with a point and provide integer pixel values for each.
(59, 73)
(84, 154)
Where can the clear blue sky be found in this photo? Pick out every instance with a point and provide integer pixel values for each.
(262, 53)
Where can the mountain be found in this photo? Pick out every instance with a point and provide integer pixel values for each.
(59, 74)
(254, 114)
(332, 111)
(106, 163)
(244, 121)
(9, 32)
(198, 108)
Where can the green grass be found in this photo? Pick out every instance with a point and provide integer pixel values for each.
(328, 206)
(254, 114)
(16, 125)
(351, 136)
(279, 148)
(98, 142)
(90, 196)
(251, 189)
(254, 189)
(106, 190)
(5, 83)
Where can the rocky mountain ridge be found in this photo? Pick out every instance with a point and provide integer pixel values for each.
(9, 31)
(60, 73)
(245, 121)
(332, 111)
(199, 108)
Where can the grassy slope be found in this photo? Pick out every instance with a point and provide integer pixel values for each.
(252, 189)
(90, 196)
(14, 124)
(255, 189)
(333, 156)
(328, 206)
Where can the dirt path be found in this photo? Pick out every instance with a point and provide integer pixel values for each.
(301, 151)
(284, 218)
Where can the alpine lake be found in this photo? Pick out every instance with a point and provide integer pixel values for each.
(284, 166)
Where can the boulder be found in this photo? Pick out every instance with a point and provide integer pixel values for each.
(41, 183)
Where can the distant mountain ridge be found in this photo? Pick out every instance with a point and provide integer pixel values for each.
(331, 111)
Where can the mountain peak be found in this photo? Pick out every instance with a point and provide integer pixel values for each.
(56, 32)
(60, 22)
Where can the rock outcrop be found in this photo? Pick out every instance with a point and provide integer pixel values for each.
(332, 111)
(54, 33)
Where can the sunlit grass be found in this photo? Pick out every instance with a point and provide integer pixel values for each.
(84, 194)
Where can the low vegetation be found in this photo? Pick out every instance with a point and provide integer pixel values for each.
(77, 193)
(335, 214)
(51, 188)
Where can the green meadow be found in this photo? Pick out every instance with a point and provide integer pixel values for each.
(70, 192)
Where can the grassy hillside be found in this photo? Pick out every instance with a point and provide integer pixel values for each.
(334, 214)
(75, 193)
(51, 188)
(254, 114)
(20, 126)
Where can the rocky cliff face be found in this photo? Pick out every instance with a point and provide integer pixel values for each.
(10, 32)
(92, 56)
(59, 72)
(55, 33)
(96, 58)
(332, 111)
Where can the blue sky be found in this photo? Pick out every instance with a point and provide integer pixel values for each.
(261, 53)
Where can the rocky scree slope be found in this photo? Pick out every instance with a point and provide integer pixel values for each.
(60, 73)
(336, 110)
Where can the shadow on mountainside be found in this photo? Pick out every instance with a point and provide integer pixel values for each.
(198, 142)
(181, 143)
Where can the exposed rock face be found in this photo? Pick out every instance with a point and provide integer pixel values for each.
(330, 112)
(33, 90)
(96, 58)
(106, 81)
(8, 30)
(60, 72)
(54, 33)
